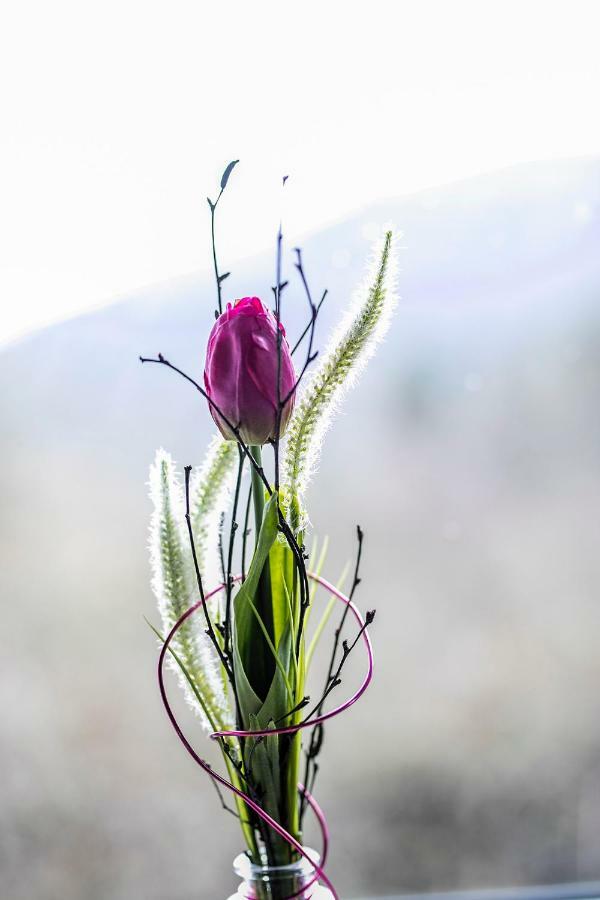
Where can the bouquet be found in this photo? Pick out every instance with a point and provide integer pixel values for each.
(235, 585)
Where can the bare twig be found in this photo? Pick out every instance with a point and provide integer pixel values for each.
(246, 531)
(229, 574)
(213, 208)
(308, 326)
(224, 805)
(209, 626)
(333, 678)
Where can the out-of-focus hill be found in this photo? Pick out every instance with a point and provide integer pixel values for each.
(470, 453)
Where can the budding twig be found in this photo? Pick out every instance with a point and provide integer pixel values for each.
(308, 326)
(333, 679)
(209, 626)
(304, 702)
(220, 548)
(160, 359)
(246, 532)
(229, 581)
(213, 207)
(280, 405)
(222, 799)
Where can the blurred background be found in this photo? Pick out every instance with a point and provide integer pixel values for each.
(469, 452)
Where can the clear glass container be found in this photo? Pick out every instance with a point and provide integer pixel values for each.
(296, 880)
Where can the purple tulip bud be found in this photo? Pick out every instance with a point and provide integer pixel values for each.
(240, 374)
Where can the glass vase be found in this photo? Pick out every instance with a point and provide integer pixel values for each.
(296, 880)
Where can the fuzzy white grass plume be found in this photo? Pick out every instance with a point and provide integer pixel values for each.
(350, 348)
(170, 557)
(210, 495)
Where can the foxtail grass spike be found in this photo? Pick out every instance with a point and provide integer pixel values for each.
(210, 490)
(172, 588)
(351, 347)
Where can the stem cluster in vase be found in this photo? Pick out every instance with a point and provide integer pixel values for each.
(243, 659)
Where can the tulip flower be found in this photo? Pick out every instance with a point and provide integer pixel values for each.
(240, 374)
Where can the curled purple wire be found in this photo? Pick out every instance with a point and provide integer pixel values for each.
(309, 723)
(318, 867)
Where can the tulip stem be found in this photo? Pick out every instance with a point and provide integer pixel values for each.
(258, 490)
(263, 599)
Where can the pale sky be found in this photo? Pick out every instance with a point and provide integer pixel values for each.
(117, 118)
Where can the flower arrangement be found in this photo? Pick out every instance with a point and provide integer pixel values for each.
(231, 571)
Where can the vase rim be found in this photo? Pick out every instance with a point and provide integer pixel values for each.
(245, 868)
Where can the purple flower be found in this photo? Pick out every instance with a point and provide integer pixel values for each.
(240, 374)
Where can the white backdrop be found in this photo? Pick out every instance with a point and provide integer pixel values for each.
(118, 117)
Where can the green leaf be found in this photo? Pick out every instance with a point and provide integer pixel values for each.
(262, 755)
(252, 653)
(281, 564)
(262, 761)
(280, 699)
(266, 699)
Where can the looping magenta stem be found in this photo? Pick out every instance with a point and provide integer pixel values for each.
(272, 823)
(290, 729)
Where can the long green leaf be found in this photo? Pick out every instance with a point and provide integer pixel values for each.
(251, 650)
(281, 564)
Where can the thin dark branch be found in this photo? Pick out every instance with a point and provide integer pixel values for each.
(219, 278)
(335, 679)
(300, 267)
(209, 626)
(279, 341)
(355, 583)
(332, 680)
(317, 734)
(309, 359)
(304, 702)
(224, 804)
(237, 764)
(213, 207)
(245, 773)
(282, 287)
(308, 326)
(221, 550)
(314, 310)
(314, 776)
(160, 359)
(246, 531)
(314, 748)
(232, 532)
